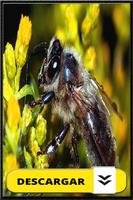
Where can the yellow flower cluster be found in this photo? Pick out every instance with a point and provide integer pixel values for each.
(90, 58)
(69, 32)
(22, 42)
(18, 126)
(89, 21)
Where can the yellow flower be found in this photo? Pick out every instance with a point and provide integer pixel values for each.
(11, 163)
(7, 90)
(86, 26)
(69, 12)
(94, 11)
(28, 158)
(71, 24)
(23, 39)
(10, 61)
(21, 46)
(90, 58)
(35, 148)
(13, 113)
(60, 33)
(26, 119)
(41, 129)
(41, 162)
(89, 22)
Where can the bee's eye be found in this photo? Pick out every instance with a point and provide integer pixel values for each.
(53, 68)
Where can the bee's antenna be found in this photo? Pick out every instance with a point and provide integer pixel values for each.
(38, 49)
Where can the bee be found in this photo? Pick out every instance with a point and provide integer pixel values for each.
(78, 99)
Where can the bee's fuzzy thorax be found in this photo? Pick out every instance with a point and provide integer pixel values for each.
(74, 53)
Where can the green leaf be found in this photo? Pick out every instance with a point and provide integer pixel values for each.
(34, 87)
(26, 90)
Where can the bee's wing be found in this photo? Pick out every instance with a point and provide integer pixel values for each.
(112, 104)
(94, 116)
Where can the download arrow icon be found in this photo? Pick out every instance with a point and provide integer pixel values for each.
(104, 180)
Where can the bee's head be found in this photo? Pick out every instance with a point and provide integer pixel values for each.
(59, 61)
(51, 65)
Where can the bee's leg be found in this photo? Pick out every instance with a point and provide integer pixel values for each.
(75, 149)
(52, 146)
(46, 98)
